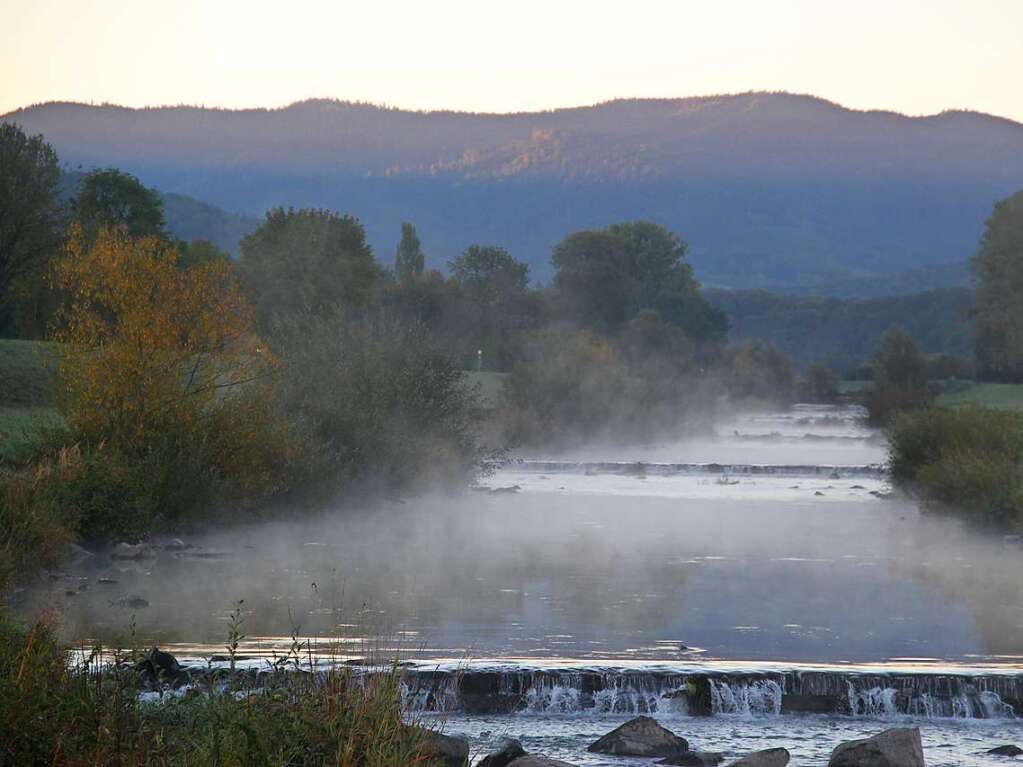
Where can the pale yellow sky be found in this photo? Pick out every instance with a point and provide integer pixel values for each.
(913, 56)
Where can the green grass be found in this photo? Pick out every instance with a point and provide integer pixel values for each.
(1005, 396)
(27, 373)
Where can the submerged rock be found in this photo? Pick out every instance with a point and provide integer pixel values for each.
(452, 751)
(694, 759)
(509, 751)
(898, 747)
(641, 736)
(771, 757)
(1007, 750)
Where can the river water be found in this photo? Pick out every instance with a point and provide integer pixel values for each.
(571, 591)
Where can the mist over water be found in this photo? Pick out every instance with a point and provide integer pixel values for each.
(770, 555)
(773, 541)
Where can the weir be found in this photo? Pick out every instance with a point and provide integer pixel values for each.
(696, 469)
(928, 695)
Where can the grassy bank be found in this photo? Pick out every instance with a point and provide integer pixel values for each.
(56, 710)
(992, 395)
(966, 459)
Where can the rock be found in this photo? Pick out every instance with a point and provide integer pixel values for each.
(509, 751)
(694, 759)
(453, 752)
(771, 757)
(131, 551)
(106, 581)
(158, 668)
(175, 544)
(899, 747)
(641, 736)
(537, 761)
(1008, 750)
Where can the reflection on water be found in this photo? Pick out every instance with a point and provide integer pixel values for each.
(724, 563)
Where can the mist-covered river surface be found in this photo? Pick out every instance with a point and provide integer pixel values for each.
(590, 584)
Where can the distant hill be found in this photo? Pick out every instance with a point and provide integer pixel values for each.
(772, 191)
(188, 218)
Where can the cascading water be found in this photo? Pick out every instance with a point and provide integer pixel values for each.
(933, 696)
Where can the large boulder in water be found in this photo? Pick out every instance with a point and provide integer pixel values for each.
(899, 747)
(771, 757)
(641, 736)
(1009, 750)
(452, 751)
(509, 751)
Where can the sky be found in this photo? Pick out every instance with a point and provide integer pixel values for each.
(911, 56)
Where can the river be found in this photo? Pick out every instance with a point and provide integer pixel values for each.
(573, 590)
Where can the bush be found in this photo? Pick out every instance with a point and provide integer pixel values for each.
(573, 385)
(375, 404)
(968, 458)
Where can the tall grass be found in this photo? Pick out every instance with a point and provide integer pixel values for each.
(60, 709)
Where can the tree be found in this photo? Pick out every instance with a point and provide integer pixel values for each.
(109, 198)
(760, 371)
(164, 384)
(900, 377)
(821, 383)
(200, 252)
(410, 259)
(307, 261)
(30, 218)
(495, 289)
(998, 266)
(607, 276)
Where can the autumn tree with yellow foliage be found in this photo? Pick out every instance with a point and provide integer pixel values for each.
(162, 370)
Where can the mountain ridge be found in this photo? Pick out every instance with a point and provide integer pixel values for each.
(772, 190)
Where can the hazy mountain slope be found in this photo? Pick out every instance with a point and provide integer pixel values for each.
(845, 332)
(187, 218)
(771, 190)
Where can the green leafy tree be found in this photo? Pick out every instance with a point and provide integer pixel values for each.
(308, 261)
(30, 218)
(200, 252)
(112, 199)
(999, 312)
(900, 377)
(760, 371)
(821, 383)
(495, 290)
(606, 276)
(410, 259)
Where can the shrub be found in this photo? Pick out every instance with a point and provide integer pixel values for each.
(33, 532)
(375, 403)
(969, 458)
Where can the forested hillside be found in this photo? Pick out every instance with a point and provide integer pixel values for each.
(845, 332)
(773, 191)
